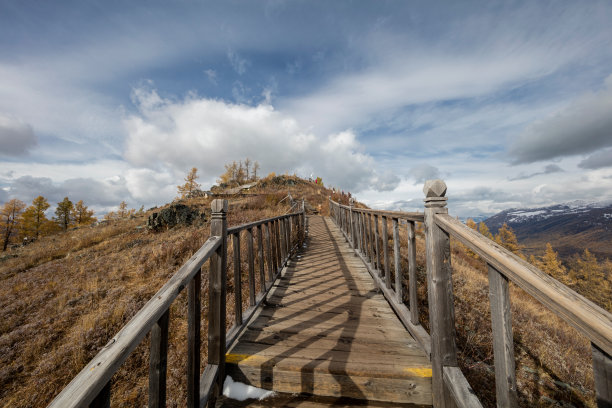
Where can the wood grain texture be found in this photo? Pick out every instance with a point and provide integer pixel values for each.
(412, 278)
(399, 292)
(385, 244)
(602, 371)
(194, 307)
(463, 394)
(251, 263)
(158, 362)
(237, 279)
(440, 301)
(503, 345)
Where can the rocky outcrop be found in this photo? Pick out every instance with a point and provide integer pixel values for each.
(176, 214)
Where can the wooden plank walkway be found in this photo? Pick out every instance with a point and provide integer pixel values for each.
(327, 331)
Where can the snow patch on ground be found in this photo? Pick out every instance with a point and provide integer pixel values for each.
(240, 392)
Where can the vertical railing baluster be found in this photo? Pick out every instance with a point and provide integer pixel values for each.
(217, 295)
(102, 400)
(352, 222)
(282, 245)
(271, 262)
(412, 278)
(377, 245)
(158, 361)
(503, 345)
(237, 279)
(251, 260)
(370, 240)
(366, 228)
(399, 291)
(193, 340)
(602, 372)
(385, 244)
(279, 250)
(440, 293)
(260, 250)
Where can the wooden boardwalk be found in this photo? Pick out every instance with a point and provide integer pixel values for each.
(326, 330)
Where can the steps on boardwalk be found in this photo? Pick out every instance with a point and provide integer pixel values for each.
(326, 330)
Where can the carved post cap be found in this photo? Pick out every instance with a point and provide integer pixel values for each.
(351, 201)
(219, 206)
(434, 188)
(434, 194)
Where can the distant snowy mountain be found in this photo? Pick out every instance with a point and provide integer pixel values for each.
(569, 227)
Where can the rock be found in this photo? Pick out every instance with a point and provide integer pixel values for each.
(176, 214)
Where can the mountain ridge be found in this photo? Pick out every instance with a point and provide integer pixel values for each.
(569, 227)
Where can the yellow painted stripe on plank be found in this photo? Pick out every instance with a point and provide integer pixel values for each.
(238, 358)
(418, 371)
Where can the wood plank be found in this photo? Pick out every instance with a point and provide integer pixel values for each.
(313, 380)
(307, 351)
(463, 394)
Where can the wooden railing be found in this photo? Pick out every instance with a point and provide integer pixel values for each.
(360, 227)
(277, 238)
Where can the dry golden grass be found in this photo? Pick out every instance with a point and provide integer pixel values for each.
(553, 360)
(63, 297)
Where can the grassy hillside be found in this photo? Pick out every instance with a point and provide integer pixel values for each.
(63, 297)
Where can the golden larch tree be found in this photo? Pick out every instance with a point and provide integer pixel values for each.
(34, 219)
(63, 213)
(190, 183)
(9, 220)
(82, 215)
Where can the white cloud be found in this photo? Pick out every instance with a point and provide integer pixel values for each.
(212, 76)
(238, 63)
(16, 137)
(173, 136)
(582, 127)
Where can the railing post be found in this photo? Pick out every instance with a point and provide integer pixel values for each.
(217, 293)
(440, 292)
(102, 400)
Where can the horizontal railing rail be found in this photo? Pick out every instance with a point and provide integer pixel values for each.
(361, 229)
(277, 237)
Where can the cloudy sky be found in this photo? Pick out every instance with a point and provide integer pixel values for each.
(509, 102)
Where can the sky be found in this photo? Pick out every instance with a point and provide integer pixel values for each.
(510, 103)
